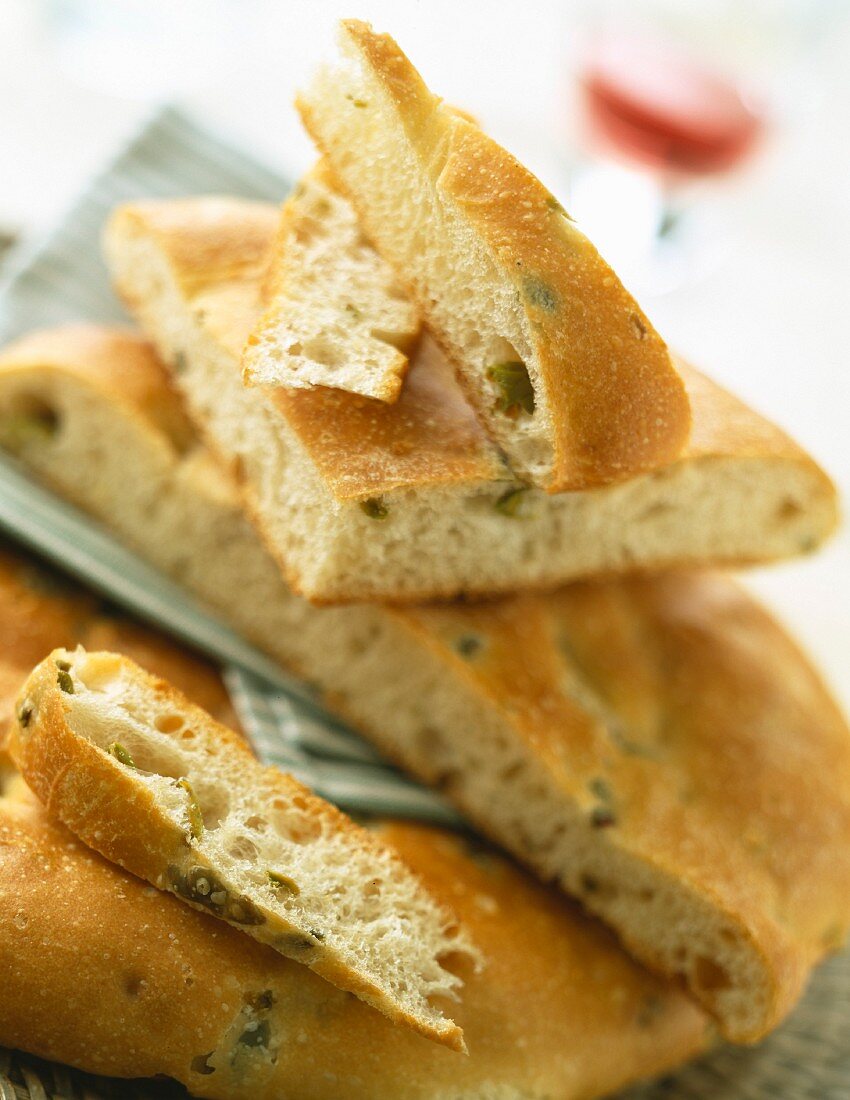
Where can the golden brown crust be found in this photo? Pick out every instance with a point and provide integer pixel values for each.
(41, 610)
(726, 758)
(110, 809)
(617, 405)
(428, 436)
(228, 292)
(100, 971)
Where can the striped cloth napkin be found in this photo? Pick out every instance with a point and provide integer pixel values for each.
(64, 279)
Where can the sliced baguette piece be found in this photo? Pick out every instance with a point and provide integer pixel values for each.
(102, 972)
(338, 315)
(359, 500)
(559, 361)
(148, 779)
(726, 761)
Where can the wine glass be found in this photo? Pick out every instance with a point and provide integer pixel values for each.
(674, 103)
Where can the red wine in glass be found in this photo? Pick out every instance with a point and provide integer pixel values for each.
(649, 102)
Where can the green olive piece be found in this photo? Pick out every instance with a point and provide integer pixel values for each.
(66, 684)
(117, 750)
(193, 808)
(515, 389)
(601, 788)
(201, 885)
(296, 941)
(374, 508)
(510, 503)
(540, 294)
(282, 882)
(557, 208)
(639, 327)
(468, 645)
(22, 430)
(24, 715)
(241, 910)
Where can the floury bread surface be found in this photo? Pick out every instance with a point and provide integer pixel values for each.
(362, 500)
(658, 746)
(120, 979)
(152, 782)
(563, 367)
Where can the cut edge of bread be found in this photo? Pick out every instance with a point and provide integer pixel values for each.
(337, 315)
(746, 495)
(563, 367)
(153, 783)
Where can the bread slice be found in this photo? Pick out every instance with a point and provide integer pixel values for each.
(102, 972)
(359, 500)
(571, 379)
(338, 316)
(153, 783)
(722, 855)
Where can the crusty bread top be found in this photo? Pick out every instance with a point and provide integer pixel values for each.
(361, 447)
(110, 359)
(218, 251)
(474, 233)
(151, 781)
(112, 976)
(337, 316)
(679, 711)
(41, 610)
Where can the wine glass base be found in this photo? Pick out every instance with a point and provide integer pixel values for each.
(654, 242)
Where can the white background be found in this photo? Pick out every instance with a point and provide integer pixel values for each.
(772, 322)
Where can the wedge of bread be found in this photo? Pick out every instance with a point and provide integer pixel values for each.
(152, 782)
(360, 500)
(338, 316)
(657, 746)
(571, 379)
(155, 987)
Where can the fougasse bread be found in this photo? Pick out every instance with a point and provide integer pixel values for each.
(560, 362)
(101, 971)
(363, 500)
(658, 745)
(154, 783)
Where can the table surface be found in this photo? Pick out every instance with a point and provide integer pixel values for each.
(772, 322)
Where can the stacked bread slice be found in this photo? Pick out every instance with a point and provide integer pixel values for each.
(419, 382)
(158, 987)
